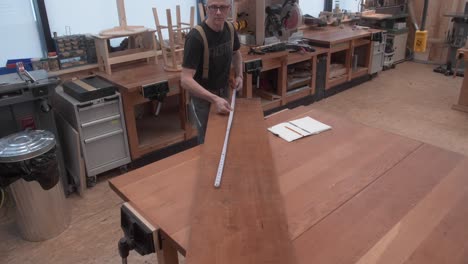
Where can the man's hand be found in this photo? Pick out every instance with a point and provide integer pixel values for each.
(238, 83)
(222, 106)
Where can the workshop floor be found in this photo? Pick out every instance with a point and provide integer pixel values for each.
(410, 100)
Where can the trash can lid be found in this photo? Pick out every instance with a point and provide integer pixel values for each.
(25, 145)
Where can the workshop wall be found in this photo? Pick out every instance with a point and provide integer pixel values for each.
(18, 28)
(18, 25)
(90, 16)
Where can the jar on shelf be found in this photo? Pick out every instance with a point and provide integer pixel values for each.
(45, 64)
(53, 61)
(36, 64)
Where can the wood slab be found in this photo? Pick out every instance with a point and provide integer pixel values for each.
(317, 174)
(332, 35)
(401, 218)
(244, 220)
(353, 194)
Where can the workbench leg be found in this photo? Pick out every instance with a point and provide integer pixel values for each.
(168, 254)
(248, 89)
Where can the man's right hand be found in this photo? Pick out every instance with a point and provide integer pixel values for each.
(222, 106)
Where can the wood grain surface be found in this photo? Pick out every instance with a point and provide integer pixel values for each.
(244, 220)
(354, 194)
(332, 35)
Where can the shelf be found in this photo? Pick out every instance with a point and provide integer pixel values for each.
(299, 93)
(155, 132)
(74, 69)
(361, 71)
(295, 83)
(268, 105)
(131, 54)
(266, 95)
(337, 81)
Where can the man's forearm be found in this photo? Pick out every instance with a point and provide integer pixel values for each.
(237, 63)
(197, 90)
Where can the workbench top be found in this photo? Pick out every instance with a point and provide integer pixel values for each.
(134, 75)
(332, 35)
(353, 194)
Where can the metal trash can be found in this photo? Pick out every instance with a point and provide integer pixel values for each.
(28, 165)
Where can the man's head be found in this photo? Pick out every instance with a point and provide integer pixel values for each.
(217, 12)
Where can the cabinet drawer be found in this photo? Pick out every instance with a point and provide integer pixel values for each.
(101, 126)
(92, 112)
(105, 149)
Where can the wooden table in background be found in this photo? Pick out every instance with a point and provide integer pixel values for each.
(280, 61)
(462, 104)
(346, 40)
(353, 194)
(145, 136)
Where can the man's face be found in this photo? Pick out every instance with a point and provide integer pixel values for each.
(218, 10)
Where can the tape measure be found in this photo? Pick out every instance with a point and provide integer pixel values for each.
(219, 173)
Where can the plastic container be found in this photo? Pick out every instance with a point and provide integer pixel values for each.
(53, 61)
(45, 64)
(36, 64)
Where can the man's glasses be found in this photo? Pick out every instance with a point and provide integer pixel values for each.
(221, 8)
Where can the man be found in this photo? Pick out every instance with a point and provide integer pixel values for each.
(223, 52)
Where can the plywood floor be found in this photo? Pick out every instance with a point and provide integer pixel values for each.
(410, 100)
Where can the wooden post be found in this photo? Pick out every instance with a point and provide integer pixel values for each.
(171, 39)
(122, 15)
(201, 11)
(160, 36)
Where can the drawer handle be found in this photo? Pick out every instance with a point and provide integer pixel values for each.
(99, 121)
(88, 106)
(103, 136)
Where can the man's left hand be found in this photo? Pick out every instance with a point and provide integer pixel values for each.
(238, 83)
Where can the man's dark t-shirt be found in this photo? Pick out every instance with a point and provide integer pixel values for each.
(219, 44)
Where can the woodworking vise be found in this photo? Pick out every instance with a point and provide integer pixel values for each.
(139, 234)
(156, 92)
(254, 67)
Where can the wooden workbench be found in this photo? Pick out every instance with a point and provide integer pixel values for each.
(354, 194)
(150, 133)
(280, 61)
(343, 44)
(462, 104)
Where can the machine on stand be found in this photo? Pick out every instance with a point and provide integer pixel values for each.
(25, 103)
(31, 161)
(456, 38)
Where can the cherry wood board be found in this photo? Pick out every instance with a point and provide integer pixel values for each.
(244, 220)
(354, 194)
(333, 35)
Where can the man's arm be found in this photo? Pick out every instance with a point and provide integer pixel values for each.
(188, 83)
(237, 65)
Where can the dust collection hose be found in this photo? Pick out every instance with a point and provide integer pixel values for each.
(424, 15)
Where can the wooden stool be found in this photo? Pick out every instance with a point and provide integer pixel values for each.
(177, 32)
